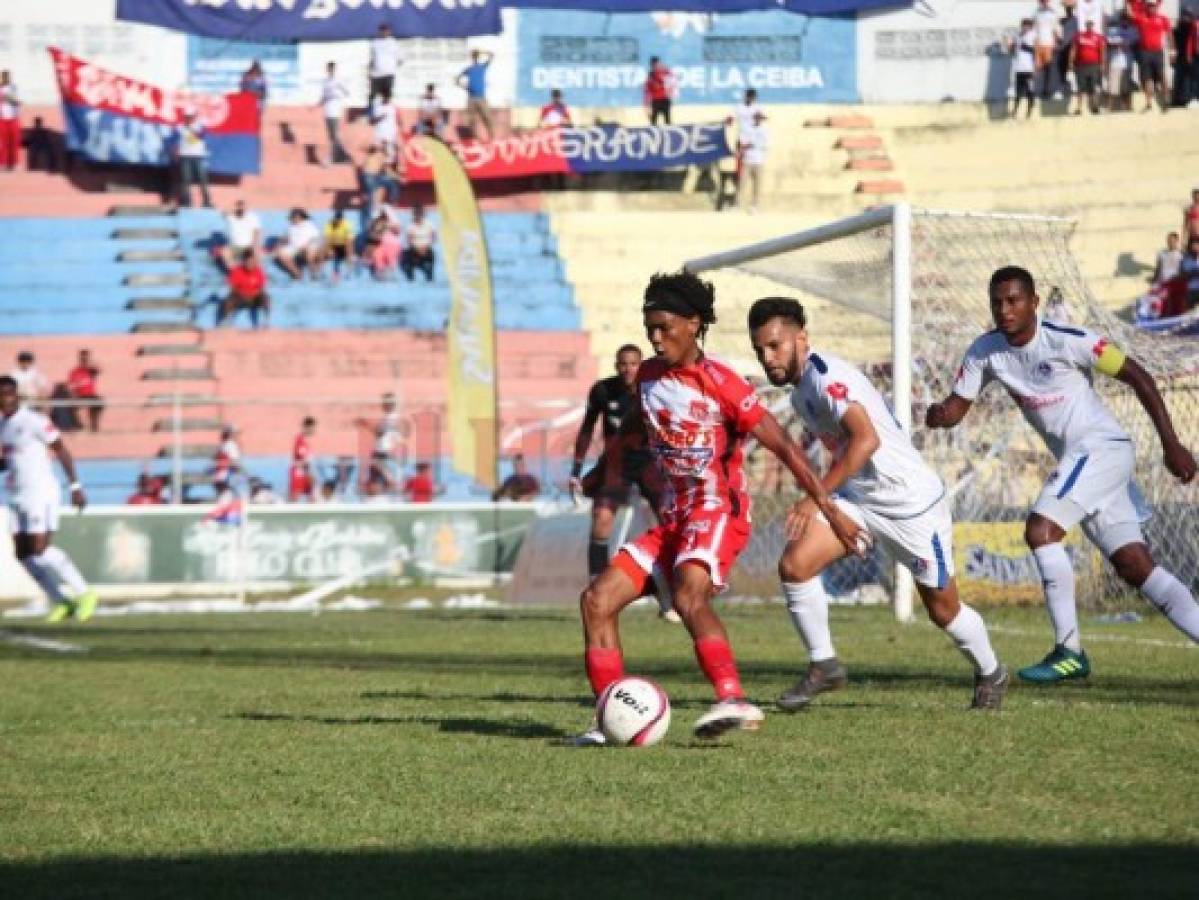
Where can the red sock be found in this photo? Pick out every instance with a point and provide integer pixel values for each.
(604, 666)
(716, 659)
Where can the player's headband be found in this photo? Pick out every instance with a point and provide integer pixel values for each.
(671, 304)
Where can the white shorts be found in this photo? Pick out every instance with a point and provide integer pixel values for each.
(1094, 488)
(35, 515)
(922, 543)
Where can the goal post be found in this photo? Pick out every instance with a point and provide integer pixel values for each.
(902, 292)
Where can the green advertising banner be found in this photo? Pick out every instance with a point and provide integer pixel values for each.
(136, 545)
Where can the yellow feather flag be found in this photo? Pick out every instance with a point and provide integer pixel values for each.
(471, 338)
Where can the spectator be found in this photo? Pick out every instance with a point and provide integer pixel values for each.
(39, 147)
(1169, 261)
(1024, 65)
(555, 114)
(253, 81)
(520, 485)
(1068, 28)
(382, 249)
(743, 114)
(301, 247)
(1190, 271)
(378, 182)
(247, 290)
(339, 244)
(327, 493)
(62, 410)
(1189, 55)
(148, 492)
(10, 122)
(419, 488)
(474, 81)
(1087, 55)
(301, 478)
(431, 116)
(756, 141)
(1153, 30)
(1121, 39)
(332, 104)
(660, 91)
(1190, 217)
(1089, 11)
(32, 386)
(261, 492)
(243, 234)
(418, 246)
(384, 60)
(81, 381)
(191, 152)
(1046, 40)
(226, 462)
(383, 118)
(380, 475)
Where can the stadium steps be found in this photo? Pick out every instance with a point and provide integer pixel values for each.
(176, 374)
(144, 234)
(183, 400)
(172, 350)
(202, 451)
(127, 211)
(181, 304)
(150, 256)
(189, 424)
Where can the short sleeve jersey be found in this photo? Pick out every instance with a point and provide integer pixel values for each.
(896, 481)
(1050, 378)
(24, 439)
(609, 399)
(301, 451)
(696, 420)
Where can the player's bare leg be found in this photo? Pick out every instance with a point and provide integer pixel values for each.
(693, 591)
(1134, 564)
(807, 604)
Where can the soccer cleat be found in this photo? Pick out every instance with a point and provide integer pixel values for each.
(989, 689)
(728, 715)
(59, 612)
(592, 737)
(669, 615)
(821, 677)
(85, 605)
(1062, 664)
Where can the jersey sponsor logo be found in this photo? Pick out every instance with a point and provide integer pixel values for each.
(1037, 402)
(838, 390)
(684, 461)
(699, 526)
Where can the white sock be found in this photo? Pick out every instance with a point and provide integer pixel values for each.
(1176, 603)
(808, 606)
(1057, 577)
(969, 634)
(44, 576)
(62, 566)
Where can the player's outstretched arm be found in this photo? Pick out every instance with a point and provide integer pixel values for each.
(1178, 459)
(948, 412)
(862, 441)
(770, 435)
(582, 442)
(60, 451)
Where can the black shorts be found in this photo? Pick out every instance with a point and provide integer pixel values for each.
(1024, 84)
(1153, 66)
(1089, 78)
(248, 302)
(339, 253)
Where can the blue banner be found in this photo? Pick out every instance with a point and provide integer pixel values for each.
(316, 20)
(806, 7)
(611, 148)
(601, 60)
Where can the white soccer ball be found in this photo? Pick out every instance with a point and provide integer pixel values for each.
(633, 712)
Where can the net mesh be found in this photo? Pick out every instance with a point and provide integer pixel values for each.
(993, 463)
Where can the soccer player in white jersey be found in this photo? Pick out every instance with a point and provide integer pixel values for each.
(1047, 369)
(881, 482)
(27, 439)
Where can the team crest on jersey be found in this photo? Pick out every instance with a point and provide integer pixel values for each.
(838, 390)
(749, 402)
(698, 410)
(1044, 371)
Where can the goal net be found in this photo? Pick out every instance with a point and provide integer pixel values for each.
(902, 293)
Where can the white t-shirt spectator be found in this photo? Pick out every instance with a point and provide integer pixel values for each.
(1025, 63)
(431, 110)
(1045, 23)
(1169, 263)
(333, 97)
(385, 57)
(756, 142)
(191, 141)
(10, 104)
(743, 115)
(31, 384)
(1089, 11)
(301, 235)
(419, 235)
(383, 117)
(243, 230)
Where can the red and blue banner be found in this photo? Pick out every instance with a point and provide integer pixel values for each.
(316, 20)
(580, 151)
(113, 119)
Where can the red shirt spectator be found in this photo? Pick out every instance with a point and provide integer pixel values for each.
(247, 283)
(1154, 29)
(1088, 48)
(82, 381)
(419, 488)
(555, 114)
(148, 493)
(300, 481)
(659, 85)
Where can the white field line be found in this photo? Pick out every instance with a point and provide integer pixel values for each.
(29, 640)
(1092, 636)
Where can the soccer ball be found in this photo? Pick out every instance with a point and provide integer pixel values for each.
(633, 712)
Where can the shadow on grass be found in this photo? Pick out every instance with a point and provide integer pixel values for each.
(509, 728)
(976, 870)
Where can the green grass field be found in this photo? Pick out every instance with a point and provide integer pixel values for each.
(408, 754)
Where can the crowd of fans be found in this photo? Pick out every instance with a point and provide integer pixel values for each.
(69, 403)
(1174, 285)
(1077, 50)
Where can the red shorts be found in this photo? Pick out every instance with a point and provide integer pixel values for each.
(299, 483)
(712, 538)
